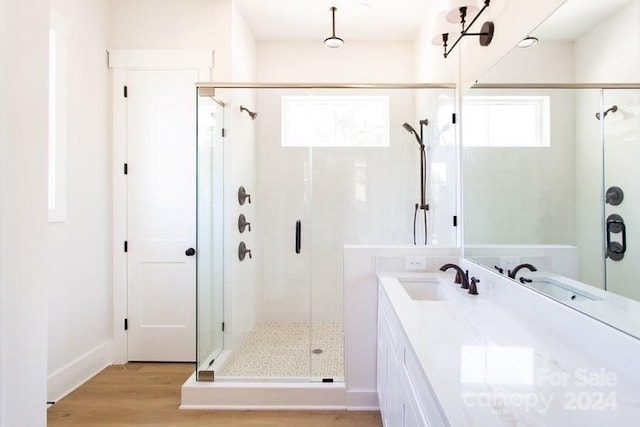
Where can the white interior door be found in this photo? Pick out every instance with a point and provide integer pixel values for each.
(161, 206)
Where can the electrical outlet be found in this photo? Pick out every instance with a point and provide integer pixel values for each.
(416, 263)
(509, 262)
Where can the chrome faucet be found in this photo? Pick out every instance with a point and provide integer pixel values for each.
(461, 276)
(512, 273)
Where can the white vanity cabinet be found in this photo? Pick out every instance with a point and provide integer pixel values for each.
(404, 395)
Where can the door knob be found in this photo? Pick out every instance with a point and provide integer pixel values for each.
(190, 252)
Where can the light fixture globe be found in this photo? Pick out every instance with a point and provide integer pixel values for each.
(333, 42)
(526, 42)
(444, 28)
(470, 7)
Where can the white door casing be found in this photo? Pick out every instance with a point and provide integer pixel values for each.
(154, 203)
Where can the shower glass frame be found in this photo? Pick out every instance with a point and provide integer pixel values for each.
(205, 365)
(210, 236)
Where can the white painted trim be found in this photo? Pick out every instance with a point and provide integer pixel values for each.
(262, 408)
(119, 199)
(159, 59)
(67, 379)
(121, 61)
(362, 400)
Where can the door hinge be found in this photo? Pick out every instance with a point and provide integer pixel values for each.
(224, 132)
(126, 92)
(126, 324)
(126, 168)
(453, 118)
(222, 326)
(126, 246)
(455, 220)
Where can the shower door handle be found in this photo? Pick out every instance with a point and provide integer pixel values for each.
(298, 235)
(616, 250)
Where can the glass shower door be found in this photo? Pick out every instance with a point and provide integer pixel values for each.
(620, 120)
(210, 234)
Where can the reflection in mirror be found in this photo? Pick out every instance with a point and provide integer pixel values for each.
(549, 174)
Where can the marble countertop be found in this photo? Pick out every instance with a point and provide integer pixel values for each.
(490, 367)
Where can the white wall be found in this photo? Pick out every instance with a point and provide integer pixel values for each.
(513, 20)
(23, 217)
(174, 24)
(430, 64)
(79, 247)
(546, 62)
(608, 53)
(355, 62)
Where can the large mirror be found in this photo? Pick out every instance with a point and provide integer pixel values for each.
(551, 135)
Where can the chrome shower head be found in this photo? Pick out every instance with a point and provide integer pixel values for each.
(249, 112)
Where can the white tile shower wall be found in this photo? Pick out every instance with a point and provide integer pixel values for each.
(511, 198)
(341, 195)
(589, 171)
(438, 108)
(243, 282)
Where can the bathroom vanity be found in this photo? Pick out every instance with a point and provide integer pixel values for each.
(508, 356)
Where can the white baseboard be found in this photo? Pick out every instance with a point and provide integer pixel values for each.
(362, 400)
(65, 380)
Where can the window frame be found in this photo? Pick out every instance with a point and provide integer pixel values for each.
(288, 102)
(542, 119)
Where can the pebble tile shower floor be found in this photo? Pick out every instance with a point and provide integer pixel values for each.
(281, 350)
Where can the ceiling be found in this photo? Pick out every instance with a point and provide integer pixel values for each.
(290, 20)
(576, 17)
(394, 20)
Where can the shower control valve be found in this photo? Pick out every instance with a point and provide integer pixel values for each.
(243, 224)
(243, 251)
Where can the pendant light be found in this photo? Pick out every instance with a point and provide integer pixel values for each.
(333, 41)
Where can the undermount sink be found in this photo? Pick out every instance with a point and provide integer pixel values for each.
(426, 289)
(561, 291)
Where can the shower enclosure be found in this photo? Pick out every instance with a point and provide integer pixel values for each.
(621, 133)
(282, 192)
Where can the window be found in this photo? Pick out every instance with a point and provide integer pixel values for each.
(57, 182)
(335, 121)
(506, 121)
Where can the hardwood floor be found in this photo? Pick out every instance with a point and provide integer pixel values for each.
(149, 394)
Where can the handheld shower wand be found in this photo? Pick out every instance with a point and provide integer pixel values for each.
(423, 177)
